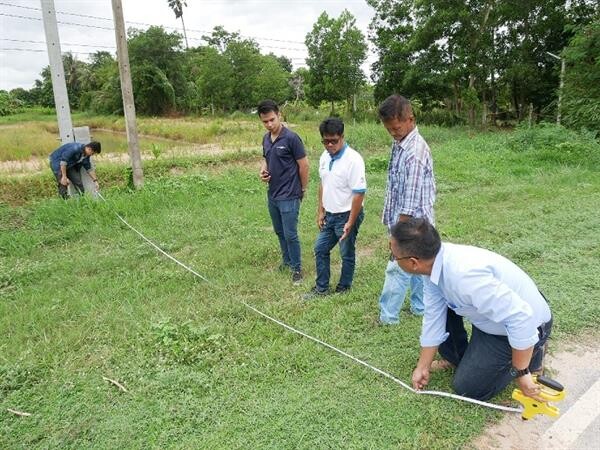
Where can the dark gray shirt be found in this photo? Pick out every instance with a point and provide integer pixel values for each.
(281, 157)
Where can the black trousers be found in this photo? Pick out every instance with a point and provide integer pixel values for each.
(74, 176)
(483, 364)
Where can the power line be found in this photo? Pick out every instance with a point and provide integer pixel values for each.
(112, 29)
(33, 50)
(144, 24)
(295, 60)
(64, 43)
(63, 23)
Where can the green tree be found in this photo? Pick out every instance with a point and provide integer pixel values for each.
(9, 104)
(284, 62)
(220, 38)
(101, 85)
(23, 96)
(245, 59)
(156, 59)
(472, 55)
(581, 96)
(272, 81)
(75, 72)
(214, 80)
(154, 94)
(336, 50)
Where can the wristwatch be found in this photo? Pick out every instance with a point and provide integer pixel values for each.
(517, 373)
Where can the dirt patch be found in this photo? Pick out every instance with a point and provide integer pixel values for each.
(575, 366)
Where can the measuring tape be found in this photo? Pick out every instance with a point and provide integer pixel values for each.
(319, 341)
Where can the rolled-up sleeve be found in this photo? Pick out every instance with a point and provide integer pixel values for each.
(69, 154)
(433, 331)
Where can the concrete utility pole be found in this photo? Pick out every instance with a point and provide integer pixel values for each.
(127, 92)
(562, 84)
(57, 71)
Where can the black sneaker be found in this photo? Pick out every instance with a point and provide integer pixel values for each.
(297, 277)
(341, 289)
(314, 293)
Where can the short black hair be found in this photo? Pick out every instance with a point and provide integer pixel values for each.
(417, 237)
(332, 126)
(95, 146)
(266, 106)
(395, 107)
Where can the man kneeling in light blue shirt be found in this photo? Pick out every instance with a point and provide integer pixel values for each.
(510, 317)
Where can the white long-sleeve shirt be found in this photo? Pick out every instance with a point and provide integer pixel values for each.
(491, 291)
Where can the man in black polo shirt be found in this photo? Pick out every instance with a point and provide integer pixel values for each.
(285, 169)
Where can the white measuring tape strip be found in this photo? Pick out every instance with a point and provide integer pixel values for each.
(325, 344)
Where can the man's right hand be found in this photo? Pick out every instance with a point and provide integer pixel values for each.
(64, 181)
(320, 220)
(420, 378)
(264, 175)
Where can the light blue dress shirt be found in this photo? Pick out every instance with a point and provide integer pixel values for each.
(492, 292)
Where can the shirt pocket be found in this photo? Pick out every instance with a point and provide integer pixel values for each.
(282, 152)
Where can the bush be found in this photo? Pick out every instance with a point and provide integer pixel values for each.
(555, 143)
(8, 104)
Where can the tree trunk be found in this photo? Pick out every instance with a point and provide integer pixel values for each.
(484, 110)
(471, 105)
(184, 33)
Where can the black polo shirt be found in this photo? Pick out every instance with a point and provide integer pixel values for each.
(281, 157)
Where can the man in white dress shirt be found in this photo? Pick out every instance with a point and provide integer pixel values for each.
(510, 317)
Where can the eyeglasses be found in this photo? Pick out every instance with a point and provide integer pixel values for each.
(330, 141)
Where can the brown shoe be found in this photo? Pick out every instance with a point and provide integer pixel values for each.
(441, 364)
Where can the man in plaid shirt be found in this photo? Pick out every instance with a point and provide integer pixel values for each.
(410, 193)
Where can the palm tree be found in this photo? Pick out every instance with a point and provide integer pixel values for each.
(177, 7)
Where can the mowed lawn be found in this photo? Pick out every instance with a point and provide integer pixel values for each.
(82, 298)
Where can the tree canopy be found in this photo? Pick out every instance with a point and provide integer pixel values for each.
(476, 55)
(336, 50)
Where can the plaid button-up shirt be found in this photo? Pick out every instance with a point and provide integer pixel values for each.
(411, 184)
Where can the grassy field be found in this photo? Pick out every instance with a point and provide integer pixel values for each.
(83, 298)
(34, 134)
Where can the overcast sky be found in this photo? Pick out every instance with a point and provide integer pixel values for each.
(269, 22)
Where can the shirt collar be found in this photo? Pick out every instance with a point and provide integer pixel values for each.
(436, 269)
(281, 134)
(339, 154)
(406, 140)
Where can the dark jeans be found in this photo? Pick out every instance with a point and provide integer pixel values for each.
(483, 364)
(284, 216)
(74, 176)
(333, 229)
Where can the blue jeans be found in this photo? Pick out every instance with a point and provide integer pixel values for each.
(483, 364)
(393, 293)
(330, 234)
(284, 216)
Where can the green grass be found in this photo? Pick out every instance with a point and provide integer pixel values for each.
(83, 297)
